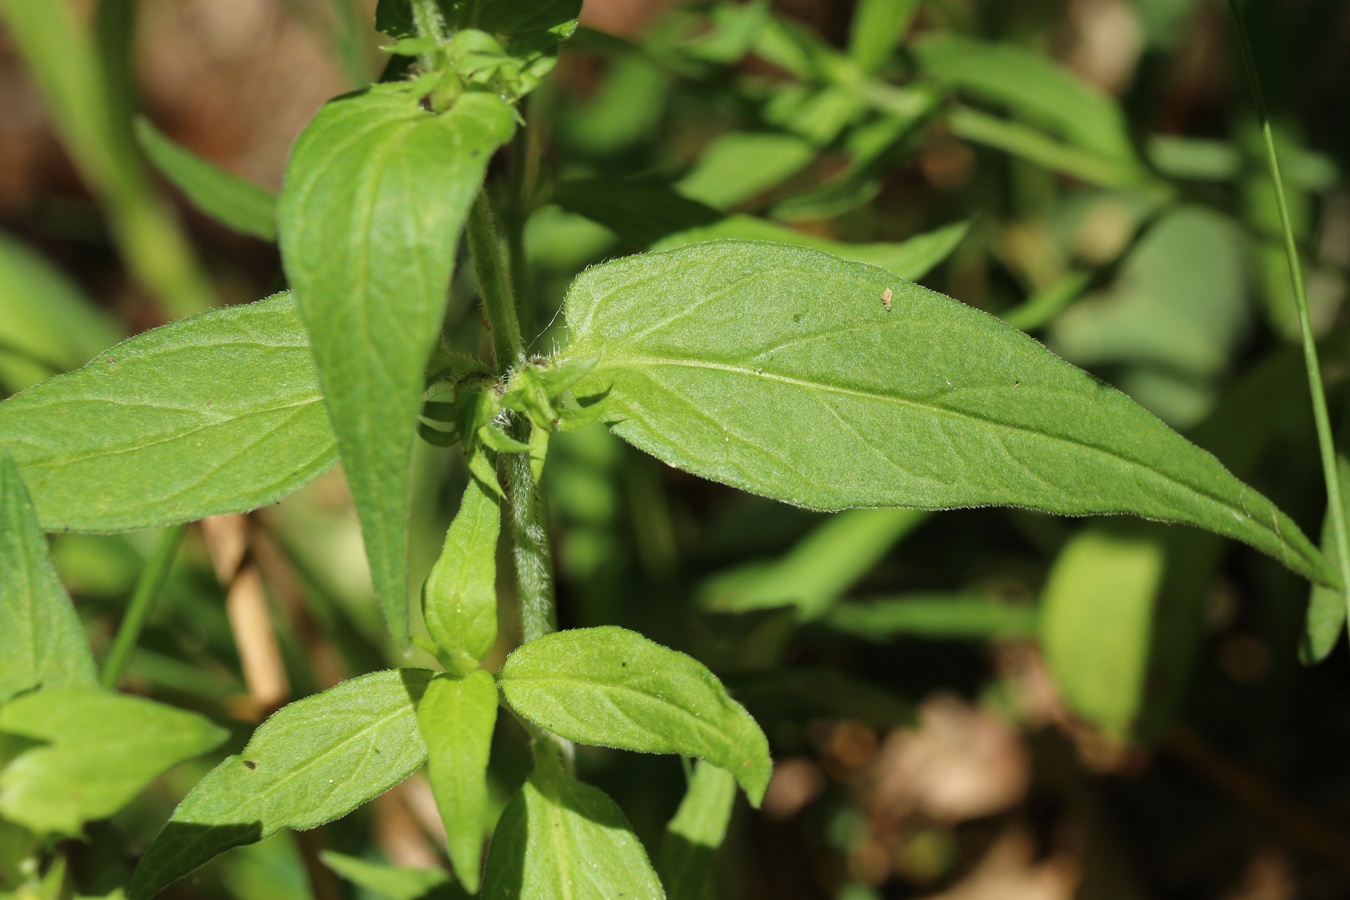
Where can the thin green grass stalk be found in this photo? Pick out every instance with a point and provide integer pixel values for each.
(152, 580)
(1325, 441)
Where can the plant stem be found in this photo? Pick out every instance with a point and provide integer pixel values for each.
(499, 305)
(142, 599)
(1325, 441)
(427, 19)
(529, 511)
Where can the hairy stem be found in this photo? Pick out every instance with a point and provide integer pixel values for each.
(1325, 441)
(529, 512)
(152, 579)
(499, 304)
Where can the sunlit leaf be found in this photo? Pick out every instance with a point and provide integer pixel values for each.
(716, 354)
(214, 414)
(376, 193)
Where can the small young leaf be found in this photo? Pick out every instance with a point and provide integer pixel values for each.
(214, 414)
(96, 751)
(693, 836)
(393, 882)
(561, 838)
(711, 351)
(41, 640)
(459, 599)
(227, 198)
(457, 716)
(376, 193)
(1096, 618)
(613, 687)
(313, 761)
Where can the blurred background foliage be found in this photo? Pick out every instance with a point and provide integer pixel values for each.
(966, 705)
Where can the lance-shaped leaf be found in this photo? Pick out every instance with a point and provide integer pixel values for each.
(614, 688)
(561, 838)
(376, 193)
(782, 371)
(459, 599)
(233, 201)
(457, 716)
(313, 761)
(93, 752)
(214, 414)
(41, 641)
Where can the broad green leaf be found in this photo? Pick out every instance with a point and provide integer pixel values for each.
(559, 838)
(911, 259)
(376, 193)
(457, 716)
(96, 751)
(815, 573)
(1096, 617)
(459, 599)
(227, 198)
(41, 639)
(393, 882)
(695, 833)
(313, 761)
(876, 29)
(743, 164)
(1031, 87)
(214, 414)
(710, 352)
(47, 325)
(614, 688)
(942, 616)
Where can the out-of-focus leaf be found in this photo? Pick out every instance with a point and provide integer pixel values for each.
(877, 26)
(376, 193)
(1096, 617)
(614, 688)
(95, 751)
(911, 259)
(457, 716)
(394, 882)
(818, 570)
(1029, 86)
(942, 616)
(1178, 303)
(1326, 614)
(217, 413)
(313, 761)
(741, 165)
(561, 838)
(695, 833)
(47, 325)
(84, 103)
(799, 695)
(639, 211)
(41, 640)
(710, 352)
(227, 198)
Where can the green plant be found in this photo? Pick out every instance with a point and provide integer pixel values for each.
(804, 370)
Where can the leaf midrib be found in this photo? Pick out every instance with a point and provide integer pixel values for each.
(639, 360)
